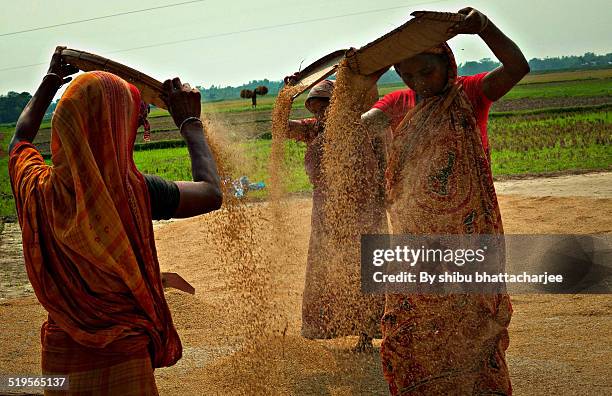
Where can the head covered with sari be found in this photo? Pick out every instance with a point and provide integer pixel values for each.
(86, 224)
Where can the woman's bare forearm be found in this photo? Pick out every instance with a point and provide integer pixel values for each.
(296, 130)
(508, 53)
(203, 166)
(204, 193)
(31, 117)
(513, 67)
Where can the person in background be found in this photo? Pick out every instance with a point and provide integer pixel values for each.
(86, 224)
(438, 181)
(318, 307)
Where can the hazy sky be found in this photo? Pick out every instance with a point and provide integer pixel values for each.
(223, 55)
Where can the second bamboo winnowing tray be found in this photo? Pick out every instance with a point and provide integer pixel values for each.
(318, 70)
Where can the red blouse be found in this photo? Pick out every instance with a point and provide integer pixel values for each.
(396, 104)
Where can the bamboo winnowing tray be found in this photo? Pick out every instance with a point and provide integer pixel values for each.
(318, 71)
(426, 30)
(150, 89)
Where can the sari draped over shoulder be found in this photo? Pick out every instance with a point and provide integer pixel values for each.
(438, 182)
(87, 235)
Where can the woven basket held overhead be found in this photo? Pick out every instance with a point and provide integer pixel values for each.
(425, 31)
(150, 89)
(318, 71)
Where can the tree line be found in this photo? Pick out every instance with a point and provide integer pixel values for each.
(13, 103)
(218, 93)
(587, 61)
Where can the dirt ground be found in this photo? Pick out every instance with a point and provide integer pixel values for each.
(593, 185)
(560, 345)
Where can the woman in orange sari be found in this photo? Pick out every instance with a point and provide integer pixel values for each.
(87, 232)
(438, 181)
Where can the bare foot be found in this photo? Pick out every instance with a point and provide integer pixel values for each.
(364, 344)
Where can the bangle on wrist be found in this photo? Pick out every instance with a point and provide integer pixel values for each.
(486, 24)
(55, 75)
(189, 120)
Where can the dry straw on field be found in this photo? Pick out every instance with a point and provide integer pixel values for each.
(261, 90)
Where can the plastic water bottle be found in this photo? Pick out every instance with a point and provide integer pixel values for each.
(242, 185)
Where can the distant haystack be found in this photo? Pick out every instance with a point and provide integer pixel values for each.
(247, 93)
(261, 90)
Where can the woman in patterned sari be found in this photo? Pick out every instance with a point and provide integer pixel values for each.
(438, 181)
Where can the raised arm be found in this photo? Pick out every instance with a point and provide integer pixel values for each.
(377, 124)
(513, 67)
(296, 129)
(31, 117)
(203, 194)
(301, 131)
(375, 119)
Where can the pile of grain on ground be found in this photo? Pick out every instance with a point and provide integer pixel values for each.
(571, 361)
(594, 185)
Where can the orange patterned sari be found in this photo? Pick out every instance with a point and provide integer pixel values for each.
(88, 242)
